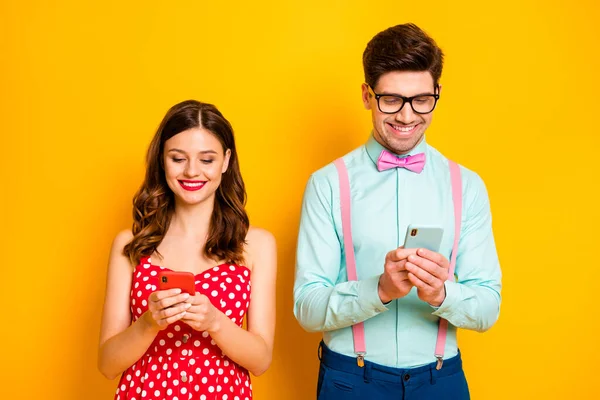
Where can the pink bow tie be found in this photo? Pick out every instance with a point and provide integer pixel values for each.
(412, 163)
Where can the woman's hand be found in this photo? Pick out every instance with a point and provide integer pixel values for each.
(166, 307)
(202, 315)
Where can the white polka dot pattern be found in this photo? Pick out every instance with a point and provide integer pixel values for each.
(192, 365)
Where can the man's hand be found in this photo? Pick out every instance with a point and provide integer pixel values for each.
(394, 282)
(427, 271)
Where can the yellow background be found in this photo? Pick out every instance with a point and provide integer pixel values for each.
(84, 84)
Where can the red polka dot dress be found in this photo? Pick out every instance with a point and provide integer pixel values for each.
(183, 363)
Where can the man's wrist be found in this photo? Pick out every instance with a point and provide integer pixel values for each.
(440, 299)
(382, 295)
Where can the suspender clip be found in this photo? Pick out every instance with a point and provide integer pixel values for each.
(440, 361)
(360, 359)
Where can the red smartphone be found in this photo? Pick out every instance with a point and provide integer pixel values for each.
(177, 279)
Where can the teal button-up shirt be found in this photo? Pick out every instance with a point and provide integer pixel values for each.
(403, 332)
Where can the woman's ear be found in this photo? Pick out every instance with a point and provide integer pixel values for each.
(226, 162)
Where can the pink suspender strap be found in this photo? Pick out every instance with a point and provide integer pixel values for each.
(358, 330)
(457, 200)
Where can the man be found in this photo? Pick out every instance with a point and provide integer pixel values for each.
(405, 297)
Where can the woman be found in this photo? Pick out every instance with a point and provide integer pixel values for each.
(189, 216)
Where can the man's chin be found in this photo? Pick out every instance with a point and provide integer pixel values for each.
(403, 146)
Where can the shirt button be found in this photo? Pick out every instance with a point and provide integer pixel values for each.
(183, 377)
(185, 338)
(406, 377)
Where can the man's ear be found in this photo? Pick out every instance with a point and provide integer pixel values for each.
(366, 96)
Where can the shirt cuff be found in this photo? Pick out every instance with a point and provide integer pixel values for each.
(368, 294)
(452, 297)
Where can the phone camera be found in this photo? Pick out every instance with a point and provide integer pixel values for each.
(164, 279)
(413, 232)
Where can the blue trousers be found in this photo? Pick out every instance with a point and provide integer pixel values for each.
(341, 378)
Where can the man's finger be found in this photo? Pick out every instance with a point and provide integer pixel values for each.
(429, 266)
(423, 275)
(400, 254)
(433, 256)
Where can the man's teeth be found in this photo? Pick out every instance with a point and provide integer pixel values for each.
(403, 128)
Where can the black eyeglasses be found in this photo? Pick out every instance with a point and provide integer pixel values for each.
(393, 103)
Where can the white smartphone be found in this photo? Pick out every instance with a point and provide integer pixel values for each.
(428, 237)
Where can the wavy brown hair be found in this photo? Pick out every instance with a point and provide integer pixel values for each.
(154, 203)
(403, 47)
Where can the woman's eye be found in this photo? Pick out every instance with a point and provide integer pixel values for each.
(206, 161)
(178, 160)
